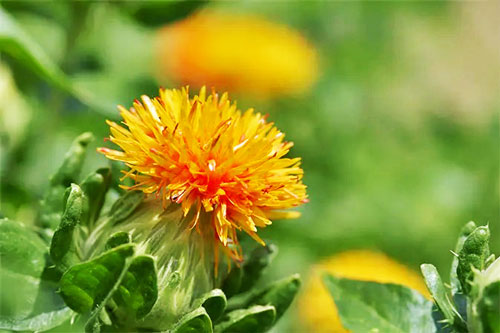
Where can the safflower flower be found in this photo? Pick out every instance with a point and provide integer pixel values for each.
(240, 53)
(224, 168)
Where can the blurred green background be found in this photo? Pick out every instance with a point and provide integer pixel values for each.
(399, 136)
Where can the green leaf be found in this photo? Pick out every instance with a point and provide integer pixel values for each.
(69, 171)
(474, 254)
(279, 294)
(95, 187)
(464, 233)
(18, 44)
(440, 295)
(138, 291)
(22, 261)
(253, 268)
(86, 285)
(258, 318)
(214, 302)
(42, 322)
(63, 250)
(117, 239)
(376, 307)
(232, 283)
(14, 41)
(125, 206)
(489, 308)
(156, 13)
(51, 207)
(196, 321)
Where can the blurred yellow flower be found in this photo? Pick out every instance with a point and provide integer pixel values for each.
(316, 307)
(239, 53)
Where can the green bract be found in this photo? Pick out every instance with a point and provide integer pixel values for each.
(128, 265)
(470, 304)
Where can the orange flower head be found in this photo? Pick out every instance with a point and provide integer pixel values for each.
(213, 160)
(243, 53)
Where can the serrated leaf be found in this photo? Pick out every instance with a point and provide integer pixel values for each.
(214, 302)
(125, 206)
(52, 205)
(474, 254)
(464, 233)
(489, 308)
(22, 261)
(389, 308)
(440, 295)
(41, 322)
(86, 285)
(138, 290)
(258, 318)
(259, 259)
(95, 187)
(117, 239)
(196, 321)
(63, 249)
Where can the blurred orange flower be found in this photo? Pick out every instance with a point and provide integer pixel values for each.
(239, 53)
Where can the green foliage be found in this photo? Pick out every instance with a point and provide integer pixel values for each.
(95, 187)
(258, 318)
(473, 255)
(255, 310)
(14, 41)
(84, 286)
(193, 322)
(52, 206)
(41, 322)
(489, 308)
(138, 290)
(22, 259)
(369, 306)
(27, 301)
(63, 248)
(252, 269)
(214, 302)
(472, 276)
(280, 294)
(158, 13)
(125, 206)
(441, 296)
(119, 238)
(232, 284)
(465, 232)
